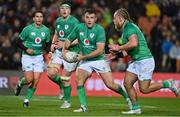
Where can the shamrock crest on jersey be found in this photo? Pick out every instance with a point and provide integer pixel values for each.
(66, 27)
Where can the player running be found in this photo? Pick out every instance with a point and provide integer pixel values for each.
(142, 65)
(32, 39)
(91, 39)
(63, 27)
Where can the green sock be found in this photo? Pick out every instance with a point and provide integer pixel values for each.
(166, 84)
(21, 82)
(30, 92)
(122, 92)
(82, 95)
(58, 81)
(67, 93)
(61, 86)
(135, 106)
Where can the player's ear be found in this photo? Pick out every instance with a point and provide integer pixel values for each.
(95, 18)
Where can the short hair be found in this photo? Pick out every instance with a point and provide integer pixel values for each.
(66, 4)
(37, 11)
(90, 11)
(124, 13)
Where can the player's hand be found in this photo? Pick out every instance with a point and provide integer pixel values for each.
(113, 48)
(60, 44)
(64, 51)
(110, 56)
(53, 47)
(50, 54)
(30, 51)
(80, 57)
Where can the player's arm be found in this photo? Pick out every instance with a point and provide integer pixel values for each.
(132, 43)
(54, 42)
(99, 50)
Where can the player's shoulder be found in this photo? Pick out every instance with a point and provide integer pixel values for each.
(131, 25)
(58, 19)
(45, 27)
(99, 27)
(28, 27)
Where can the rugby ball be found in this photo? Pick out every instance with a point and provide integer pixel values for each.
(71, 57)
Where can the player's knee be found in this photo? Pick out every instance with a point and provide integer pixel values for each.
(110, 85)
(51, 73)
(144, 90)
(29, 80)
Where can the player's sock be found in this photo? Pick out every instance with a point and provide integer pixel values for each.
(58, 81)
(166, 84)
(30, 92)
(67, 93)
(21, 82)
(61, 86)
(122, 92)
(82, 95)
(135, 106)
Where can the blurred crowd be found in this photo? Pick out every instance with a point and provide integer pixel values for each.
(158, 19)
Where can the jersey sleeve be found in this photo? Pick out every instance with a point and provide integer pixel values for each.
(48, 36)
(24, 33)
(73, 35)
(101, 36)
(130, 32)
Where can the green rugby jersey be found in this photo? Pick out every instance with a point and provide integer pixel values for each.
(34, 37)
(141, 51)
(64, 27)
(88, 38)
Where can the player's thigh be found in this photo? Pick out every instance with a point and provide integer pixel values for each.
(81, 76)
(27, 63)
(56, 60)
(107, 78)
(145, 69)
(38, 63)
(143, 85)
(129, 79)
(37, 76)
(29, 76)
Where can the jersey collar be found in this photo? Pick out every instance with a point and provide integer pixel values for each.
(124, 24)
(35, 26)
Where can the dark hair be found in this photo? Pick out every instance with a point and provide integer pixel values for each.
(90, 11)
(124, 13)
(37, 11)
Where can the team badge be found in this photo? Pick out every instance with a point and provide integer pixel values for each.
(61, 33)
(91, 35)
(86, 41)
(38, 40)
(43, 34)
(66, 27)
(33, 33)
(81, 33)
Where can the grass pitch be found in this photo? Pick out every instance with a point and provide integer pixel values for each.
(98, 106)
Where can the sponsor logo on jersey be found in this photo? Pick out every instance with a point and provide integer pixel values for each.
(61, 33)
(66, 27)
(86, 41)
(33, 33)
(38, 40)
(91, 35)
(43, 34)
(81, 33)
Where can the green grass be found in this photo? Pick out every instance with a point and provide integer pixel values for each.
(98, 106)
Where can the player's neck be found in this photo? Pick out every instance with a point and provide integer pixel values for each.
(37, 25)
